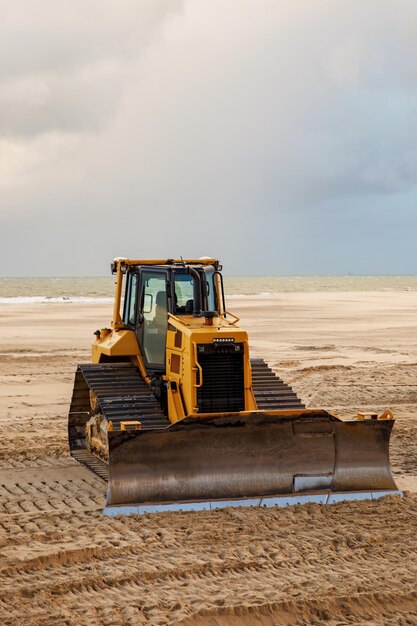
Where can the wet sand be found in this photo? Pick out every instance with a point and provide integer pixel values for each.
(62, 562)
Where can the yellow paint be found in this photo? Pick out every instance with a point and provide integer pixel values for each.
(182, 384)
(137, 425)
(117, 318)
(117, 343)
(130, 262)
(182, 401)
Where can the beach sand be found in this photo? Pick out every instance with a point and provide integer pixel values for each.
(63, 562)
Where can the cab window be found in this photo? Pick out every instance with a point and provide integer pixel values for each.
(131, 299)
(184, 294)
(154, 317)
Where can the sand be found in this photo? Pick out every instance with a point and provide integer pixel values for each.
(63, 562)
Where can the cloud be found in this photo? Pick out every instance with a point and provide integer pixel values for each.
(164, 127)
(66, 65)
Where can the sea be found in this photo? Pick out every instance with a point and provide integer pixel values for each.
(101, 289)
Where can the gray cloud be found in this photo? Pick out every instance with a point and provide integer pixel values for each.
(278, 135)
(64, 66)
(48, 36)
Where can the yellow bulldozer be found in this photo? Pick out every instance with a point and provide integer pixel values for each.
(174, 414)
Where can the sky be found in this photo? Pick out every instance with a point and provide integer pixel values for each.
(277, 135)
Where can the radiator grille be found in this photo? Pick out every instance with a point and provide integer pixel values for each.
(223, 384)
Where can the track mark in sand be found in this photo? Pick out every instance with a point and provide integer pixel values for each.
(79, 575)
(349, 389)
(305, 372)
(372, 609)
(37, 461)
(39, 457)
(323, 348)
(222, 585)
(161, 569)
(403, 447)
(51, 422)
(48, 489)
(34, 444)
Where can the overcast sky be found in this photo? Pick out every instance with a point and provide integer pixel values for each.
(277, 135)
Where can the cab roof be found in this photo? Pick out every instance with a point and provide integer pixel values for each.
(123, 264)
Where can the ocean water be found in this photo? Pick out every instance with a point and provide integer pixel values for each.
(101, 289)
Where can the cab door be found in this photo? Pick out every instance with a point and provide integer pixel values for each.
(152, 319)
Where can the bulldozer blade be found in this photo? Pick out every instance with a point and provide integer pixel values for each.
(254, 458)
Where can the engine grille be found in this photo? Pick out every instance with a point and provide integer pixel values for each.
(223, 384)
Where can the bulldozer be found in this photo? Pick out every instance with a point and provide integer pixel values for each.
(174, 414)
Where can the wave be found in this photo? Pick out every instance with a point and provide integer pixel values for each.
(256, 294)
(49, 300)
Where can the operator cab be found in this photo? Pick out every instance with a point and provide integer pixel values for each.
(154, 291)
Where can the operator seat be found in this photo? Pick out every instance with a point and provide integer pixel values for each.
(189, 307)
(161, 315)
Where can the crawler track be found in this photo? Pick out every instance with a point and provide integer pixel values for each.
(123, 395)
(271, 393)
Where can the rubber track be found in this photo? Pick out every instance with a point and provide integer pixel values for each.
(123, 395)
